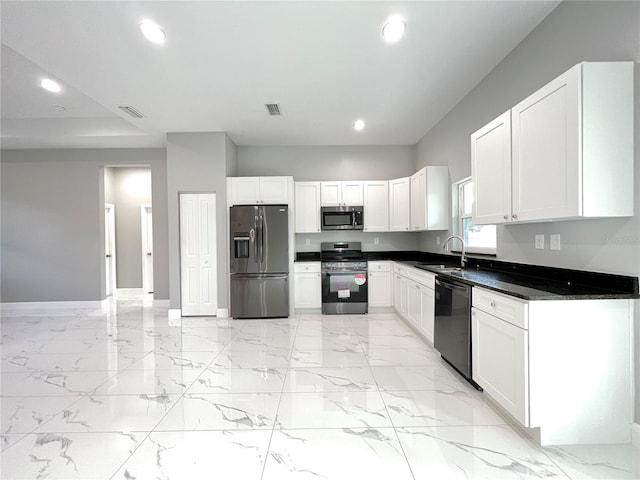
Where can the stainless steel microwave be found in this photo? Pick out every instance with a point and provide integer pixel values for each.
(342, 218)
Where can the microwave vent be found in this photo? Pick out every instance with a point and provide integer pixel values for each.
(273, 109)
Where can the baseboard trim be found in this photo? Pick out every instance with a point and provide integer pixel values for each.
(20, 307)
(222, 313)
(160, 303)
(635, 434)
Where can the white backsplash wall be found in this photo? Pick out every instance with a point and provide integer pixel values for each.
(393, 241)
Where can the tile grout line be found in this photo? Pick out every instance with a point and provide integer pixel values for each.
(395, 431)
(275, 418)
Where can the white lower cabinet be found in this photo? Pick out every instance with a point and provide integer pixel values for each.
(308, 285)
(414, 305)
(561, 367)
(400, 291)
(500, 357)
(428, 308)
(414, 298)
(379, 274)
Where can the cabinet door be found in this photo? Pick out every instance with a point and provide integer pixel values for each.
(546, 148)
(245, 190)
(414, 305)
(330, 194)
(491, 171)
(418, 189)
(500, 361)
(399, 205)
(274, 190)
(376, 206)
(399, 294)
(379, 289)
(308, 290)
(428, 305)
(307, 207)
(352, 194)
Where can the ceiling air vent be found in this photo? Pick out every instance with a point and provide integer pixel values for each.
(131, 111)
(273, 108)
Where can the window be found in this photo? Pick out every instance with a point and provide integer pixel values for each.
(477, 238)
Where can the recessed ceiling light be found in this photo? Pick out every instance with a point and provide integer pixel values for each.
(358, 125)
(393, 29)
(49, 85)
(152, 31)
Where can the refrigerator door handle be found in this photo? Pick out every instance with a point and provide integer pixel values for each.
(255, 236)
(261, 239)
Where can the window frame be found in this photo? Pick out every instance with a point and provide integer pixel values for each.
(460, 215)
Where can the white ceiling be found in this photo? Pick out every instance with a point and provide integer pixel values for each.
(323, 62)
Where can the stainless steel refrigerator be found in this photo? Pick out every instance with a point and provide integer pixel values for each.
(259, 261)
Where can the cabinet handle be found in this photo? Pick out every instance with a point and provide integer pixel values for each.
(506, 217)
(514, 215)
(493, 304)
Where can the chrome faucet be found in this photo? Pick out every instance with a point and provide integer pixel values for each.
(463, 257)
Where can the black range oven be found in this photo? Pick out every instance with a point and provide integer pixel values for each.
(344, 279)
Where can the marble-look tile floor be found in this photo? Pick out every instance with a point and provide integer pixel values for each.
(123, 393)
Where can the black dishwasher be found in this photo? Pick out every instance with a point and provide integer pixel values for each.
(452, 328)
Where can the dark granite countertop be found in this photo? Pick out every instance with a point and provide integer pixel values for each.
(529, 282)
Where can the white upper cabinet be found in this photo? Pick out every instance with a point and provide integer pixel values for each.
(491, 171)
(399, 205)
(307, 207)
(259, 190)
(429, 189)
(571, 150)
(274, 190)
(334, 194)
(376, 206)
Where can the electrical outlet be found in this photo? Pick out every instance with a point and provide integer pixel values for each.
(438, 240)
(308, 241)
(376, 240)
(539, 242)
(554, 242)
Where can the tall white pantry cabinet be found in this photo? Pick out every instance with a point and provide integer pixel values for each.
(565, 152)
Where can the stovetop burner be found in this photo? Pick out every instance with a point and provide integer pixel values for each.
(341, 252)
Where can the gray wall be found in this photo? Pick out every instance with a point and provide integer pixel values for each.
(198, 163)
(328, 163)
(132, 189)
(573, 32)
(309, 163)
(52, 222)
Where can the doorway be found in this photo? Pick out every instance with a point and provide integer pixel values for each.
(110, 248)
(147, 248)
(198, 263)
(127, 193)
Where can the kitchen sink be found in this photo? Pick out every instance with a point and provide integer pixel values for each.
(440, 268)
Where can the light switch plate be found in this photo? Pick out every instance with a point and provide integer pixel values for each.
(554, 242)
(376, 240)
(539, 242)
(308, 241)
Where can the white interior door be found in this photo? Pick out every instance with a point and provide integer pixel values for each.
(147, 249)
(110, 248)
(198, 266)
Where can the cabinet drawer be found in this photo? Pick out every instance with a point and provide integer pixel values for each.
(308, 267)
(400, 269)
(502, 306)
(424, 278)
(379, 266)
